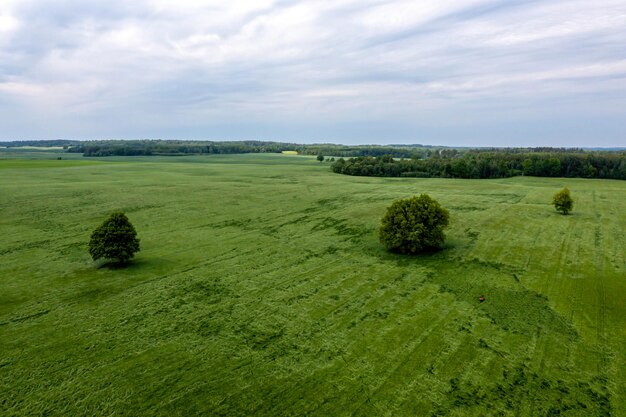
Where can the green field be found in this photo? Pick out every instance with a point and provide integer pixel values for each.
(261, 289)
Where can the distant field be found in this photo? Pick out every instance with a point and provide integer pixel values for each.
(40, 152)
(261, 289)
(28, 164)
(39, 148)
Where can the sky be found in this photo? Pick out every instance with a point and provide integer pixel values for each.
(444, 72)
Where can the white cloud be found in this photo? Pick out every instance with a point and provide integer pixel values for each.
(402, 15)
(549, 21)
(22, 89)
(8, 23)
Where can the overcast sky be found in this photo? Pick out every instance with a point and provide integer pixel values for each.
(472, 72)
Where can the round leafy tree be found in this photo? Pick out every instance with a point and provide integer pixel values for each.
(116, 238)
(413, 225)
(563, 201)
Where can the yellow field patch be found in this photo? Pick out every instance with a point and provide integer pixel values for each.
(290, 152)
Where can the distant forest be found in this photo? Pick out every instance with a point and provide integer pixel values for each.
(185, 147)
(492, 164)
(383, 161)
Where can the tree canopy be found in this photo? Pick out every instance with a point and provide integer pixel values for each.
(115, 238)
(563, 201)
(413, 225)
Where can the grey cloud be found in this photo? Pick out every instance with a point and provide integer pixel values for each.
(221, 68)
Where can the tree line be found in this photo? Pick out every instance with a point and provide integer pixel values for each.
(174, 147)
(102, 148)
(171, 147)
(41, 143)
(491, 164)
(383, 160)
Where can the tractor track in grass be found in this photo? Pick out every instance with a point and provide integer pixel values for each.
(601, 290)
(357, 392)
(411, 351)
(537, 339)
(257, 294)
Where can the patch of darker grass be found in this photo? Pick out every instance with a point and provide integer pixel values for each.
(508, 304)
(330, 250)
(25, 246)
(550, 396)
(467, 208)
(299, 220)
(203, 290)
(25, 318)
(325, 204)
(472, 234)
(92, 291)
(239, 223)
(513, 307)
(116, 265)
(260, 336)
(341, 227)
(426, 253)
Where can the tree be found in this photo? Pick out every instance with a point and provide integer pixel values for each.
(320, 158)
(563, 201)
(116, 238)
(413, 225)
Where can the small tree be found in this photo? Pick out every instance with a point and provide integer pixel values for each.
(414, 225)
(320, 158)
(116, 238)
(563, 201)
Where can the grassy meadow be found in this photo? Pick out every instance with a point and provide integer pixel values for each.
(261, 289)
